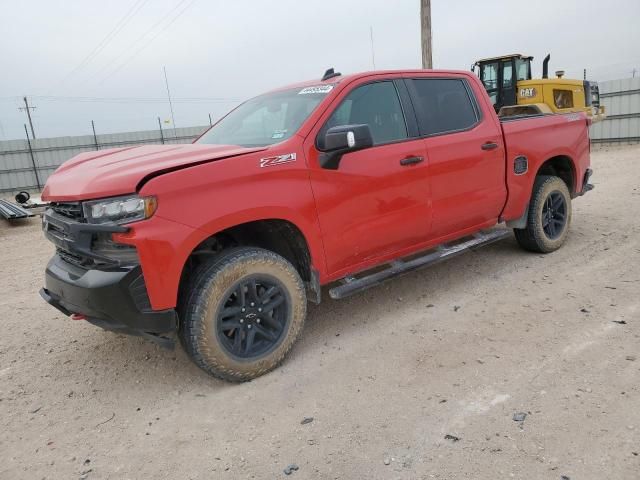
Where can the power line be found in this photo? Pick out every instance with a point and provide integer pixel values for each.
(51, 98)
(141, 38)
(173, 120)
(135, 8)
(373, 54)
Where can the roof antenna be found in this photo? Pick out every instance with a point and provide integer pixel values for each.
(330, 73)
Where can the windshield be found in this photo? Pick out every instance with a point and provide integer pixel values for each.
(267, 119)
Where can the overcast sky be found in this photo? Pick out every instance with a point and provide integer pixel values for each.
(218, 52)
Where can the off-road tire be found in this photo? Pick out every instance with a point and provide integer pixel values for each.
(208, 287)
(533, 237)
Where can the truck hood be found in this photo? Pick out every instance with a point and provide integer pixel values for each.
(119, 171)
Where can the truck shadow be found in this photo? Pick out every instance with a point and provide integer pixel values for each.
(135, 360)
(138, 363)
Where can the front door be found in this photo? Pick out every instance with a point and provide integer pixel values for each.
(377, 202)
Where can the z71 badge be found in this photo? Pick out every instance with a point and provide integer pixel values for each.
(277, 160)
(528, 92)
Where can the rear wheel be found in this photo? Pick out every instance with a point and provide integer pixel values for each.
(242, 312)
(549, 216)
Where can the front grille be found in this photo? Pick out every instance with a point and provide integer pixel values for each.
(72, 210)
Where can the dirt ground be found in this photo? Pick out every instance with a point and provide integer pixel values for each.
(419, 378)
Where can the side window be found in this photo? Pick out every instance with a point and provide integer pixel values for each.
(375, 104)
(489, 75)
(522, 69)
(443, 105)
(507, 74)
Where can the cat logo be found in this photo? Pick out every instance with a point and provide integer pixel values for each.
(527, 92)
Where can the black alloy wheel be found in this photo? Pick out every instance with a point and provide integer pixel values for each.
(554, 215)
(253, 318)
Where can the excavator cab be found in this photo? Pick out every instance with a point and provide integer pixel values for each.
(513, 92)
(500, 76)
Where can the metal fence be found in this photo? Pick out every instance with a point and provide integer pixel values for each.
(621, 99)
(26, 165)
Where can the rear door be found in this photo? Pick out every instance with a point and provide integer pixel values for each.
(466, 154)
(377, 202)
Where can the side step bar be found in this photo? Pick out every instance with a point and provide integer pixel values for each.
(11, 211)
(350, 285)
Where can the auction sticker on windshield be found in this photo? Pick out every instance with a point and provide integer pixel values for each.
(316, 89)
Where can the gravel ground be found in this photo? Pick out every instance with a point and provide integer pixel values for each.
(419, 378)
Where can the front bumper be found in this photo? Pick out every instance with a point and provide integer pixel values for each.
(113, 299)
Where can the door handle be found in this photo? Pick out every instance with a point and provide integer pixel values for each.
(489, 146)
(411, 161)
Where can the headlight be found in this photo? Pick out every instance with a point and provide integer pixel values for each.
(130, 208)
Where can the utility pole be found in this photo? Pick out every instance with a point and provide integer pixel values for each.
(28, 109)
(33, 159)
(373, 55)
(210, 122)
(633, 73)
(161, 134)
(95, 137)
(584, 77)
(425, 29)
(173, 120)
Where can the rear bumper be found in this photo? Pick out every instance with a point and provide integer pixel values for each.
(112, 299)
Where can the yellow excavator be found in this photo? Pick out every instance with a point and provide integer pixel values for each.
(508, 82)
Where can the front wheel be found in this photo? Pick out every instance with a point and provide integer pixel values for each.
(242, 312)
(549, 216)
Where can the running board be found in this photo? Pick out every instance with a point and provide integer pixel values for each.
(351, 284)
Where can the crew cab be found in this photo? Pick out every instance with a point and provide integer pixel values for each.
(348, 180)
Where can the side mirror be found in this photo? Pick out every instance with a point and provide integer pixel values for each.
(343, 139)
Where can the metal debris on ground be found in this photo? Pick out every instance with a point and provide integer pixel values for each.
(519, 417)
(290, 469)
(11, 211)
(306, 420)
(453, 438)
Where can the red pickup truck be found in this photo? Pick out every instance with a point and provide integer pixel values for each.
(347, 180)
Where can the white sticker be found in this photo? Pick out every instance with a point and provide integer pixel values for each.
(278, 134)
(317, 89)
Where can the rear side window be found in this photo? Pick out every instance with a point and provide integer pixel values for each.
(375, 104)
(443, 105)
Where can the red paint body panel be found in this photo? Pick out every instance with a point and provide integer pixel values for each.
(540, 139)
(118, 171)
(370, 210)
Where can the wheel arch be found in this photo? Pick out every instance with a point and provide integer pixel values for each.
(279, 235)
(561, 166)
(517, 207)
